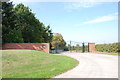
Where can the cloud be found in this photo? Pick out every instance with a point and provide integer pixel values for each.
(77, 5)
(110, 17)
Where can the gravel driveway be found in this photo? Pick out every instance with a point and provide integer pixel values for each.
(92, 65)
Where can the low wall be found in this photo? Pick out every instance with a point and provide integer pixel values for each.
(44, 47)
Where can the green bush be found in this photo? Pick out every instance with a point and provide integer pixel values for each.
(114, 47)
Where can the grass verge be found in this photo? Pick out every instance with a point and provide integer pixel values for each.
(117, 54)
(34, 64)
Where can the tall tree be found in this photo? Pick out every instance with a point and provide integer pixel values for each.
(47, 35)
(21, 25)
(9, 24)
(31, 27)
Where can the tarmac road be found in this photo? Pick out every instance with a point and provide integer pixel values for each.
(92, 65)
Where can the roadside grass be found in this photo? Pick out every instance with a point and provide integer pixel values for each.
(34, 64)
(117, 54)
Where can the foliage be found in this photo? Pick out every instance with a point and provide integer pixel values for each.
(20, 18)
(47, 34)
(107, 47)
(14, 36)
(66, 48)
(8, 20)
(58, 41)
(76, 48)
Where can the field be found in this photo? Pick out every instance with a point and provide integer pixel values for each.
(34, 64)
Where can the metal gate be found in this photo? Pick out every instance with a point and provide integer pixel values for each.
(80, 46)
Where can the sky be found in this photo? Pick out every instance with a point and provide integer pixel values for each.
(79, 21)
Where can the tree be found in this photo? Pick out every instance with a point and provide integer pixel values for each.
(78, 47)
(32, 30)
(14, 36)
(58, 41)
(21, 25)
(9, 23)
(69, 47)
(47, 34)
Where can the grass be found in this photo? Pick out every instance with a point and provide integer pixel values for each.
(110, 54)
(34, 64)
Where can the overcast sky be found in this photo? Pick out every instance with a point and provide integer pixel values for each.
(79, 21)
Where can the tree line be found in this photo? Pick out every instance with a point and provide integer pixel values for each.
(19, 25)
(76, 48)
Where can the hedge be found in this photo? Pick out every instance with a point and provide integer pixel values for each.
(114, 47)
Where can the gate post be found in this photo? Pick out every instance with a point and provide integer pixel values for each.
(70, 46)
(88, 48)
(83, 47)
(91, 47)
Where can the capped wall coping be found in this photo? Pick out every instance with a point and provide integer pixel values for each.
(26, 43)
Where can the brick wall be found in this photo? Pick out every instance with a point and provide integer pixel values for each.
(91, 47)
(31, 46)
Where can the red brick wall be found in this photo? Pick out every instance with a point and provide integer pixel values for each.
(91, 47)
(31, 46)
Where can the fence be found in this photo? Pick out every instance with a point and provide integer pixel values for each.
(81, 46)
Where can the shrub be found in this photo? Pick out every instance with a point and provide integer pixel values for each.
(114, 47)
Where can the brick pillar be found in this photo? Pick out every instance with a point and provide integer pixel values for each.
(91, 47)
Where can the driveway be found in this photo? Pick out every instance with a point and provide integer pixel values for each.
(92, 65)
